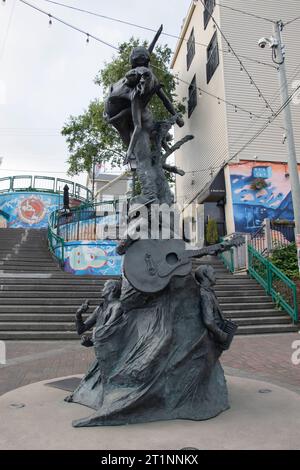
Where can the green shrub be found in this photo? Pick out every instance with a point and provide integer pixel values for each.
(285, 259)
(212, 235)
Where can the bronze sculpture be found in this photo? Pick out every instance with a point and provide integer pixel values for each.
(157, 342)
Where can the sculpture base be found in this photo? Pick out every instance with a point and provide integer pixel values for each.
(157, 361)
(254, 421)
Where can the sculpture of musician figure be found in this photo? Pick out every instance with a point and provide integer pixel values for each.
(126, 108)
(106, 313)
(211, 311)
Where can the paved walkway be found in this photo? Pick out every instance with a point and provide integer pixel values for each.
(266, 357)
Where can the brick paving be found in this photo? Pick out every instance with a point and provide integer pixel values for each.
(266, 357)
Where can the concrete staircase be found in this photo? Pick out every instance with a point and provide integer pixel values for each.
(38, 300)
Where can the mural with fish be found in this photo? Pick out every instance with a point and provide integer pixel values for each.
(260, 190)
(28, 209)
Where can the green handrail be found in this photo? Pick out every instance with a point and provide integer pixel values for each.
(56, 246)
(282, 289)
(229, 263)
(33, 184)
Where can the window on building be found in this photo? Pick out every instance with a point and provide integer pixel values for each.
(212, 57)
(209, 8)
(192, 103)
(190, 49)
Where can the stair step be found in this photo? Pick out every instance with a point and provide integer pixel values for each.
(267, 329)
(233, 314)
(37, 326)
(37, 317)
(7, 298)
(247, 306)
(33, 290)
(48, 301)
(253, 321)
(20, 309)
(39, 335)
(257, 299)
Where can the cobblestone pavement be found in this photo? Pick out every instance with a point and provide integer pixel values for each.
(266, 357)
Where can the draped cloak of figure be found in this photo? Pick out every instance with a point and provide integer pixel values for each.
(157, 361)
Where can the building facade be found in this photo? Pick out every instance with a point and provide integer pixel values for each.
(231, 90)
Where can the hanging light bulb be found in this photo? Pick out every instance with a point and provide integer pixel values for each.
(235, 109)
(251, 82)
(241, 68)
(3, 3)
(200, 94)
(50, 20)
(251, 115)
(87, 38)
(219, 102)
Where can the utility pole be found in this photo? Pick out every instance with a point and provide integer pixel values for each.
(278, 51)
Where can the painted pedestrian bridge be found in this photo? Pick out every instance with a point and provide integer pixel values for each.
(28, 201)
(77, 240)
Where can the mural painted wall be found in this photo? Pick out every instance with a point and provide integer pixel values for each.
(271, 199)
(27, 209)
(98, 258)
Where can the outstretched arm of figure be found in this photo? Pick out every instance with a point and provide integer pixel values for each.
(83, 326)
(121, 115)
(169, 106)
(173, 169)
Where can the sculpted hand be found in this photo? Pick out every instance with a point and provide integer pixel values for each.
(180, 121)
(83, 308)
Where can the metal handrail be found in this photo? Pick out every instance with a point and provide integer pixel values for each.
(75, 189)
(258, 265)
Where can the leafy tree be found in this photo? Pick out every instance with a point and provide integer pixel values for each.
(88, 135)
(212, 235)
(285, 258)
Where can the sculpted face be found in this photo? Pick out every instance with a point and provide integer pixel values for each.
(139, 57)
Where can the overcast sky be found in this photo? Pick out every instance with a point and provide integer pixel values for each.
(46, 73)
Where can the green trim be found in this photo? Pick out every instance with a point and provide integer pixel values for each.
(258, 265)
(33, 186)
(228, 263)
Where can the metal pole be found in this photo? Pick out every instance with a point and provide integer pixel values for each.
(292, 157)
(93, 181)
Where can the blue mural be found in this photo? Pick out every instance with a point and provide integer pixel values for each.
(273, 200)
(98, 258)
(25, 209)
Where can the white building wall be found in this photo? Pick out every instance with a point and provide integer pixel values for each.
(208, 120)
(219, 131)
(243, 33)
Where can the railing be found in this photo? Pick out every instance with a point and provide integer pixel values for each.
(56, 246)
(272, 234)
(228, 259)
(44, 184)
(86, 222)
(282, 289)
(258, 240)
(282, 233)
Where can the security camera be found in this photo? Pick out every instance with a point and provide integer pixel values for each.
(272, 42)
(263, 42)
